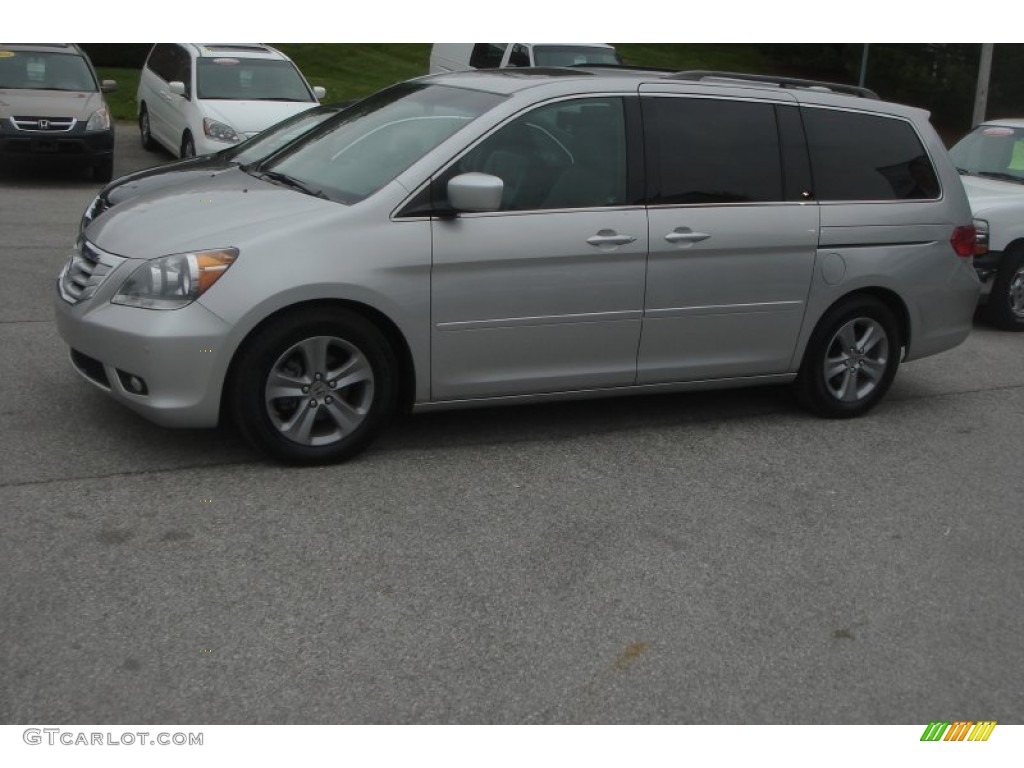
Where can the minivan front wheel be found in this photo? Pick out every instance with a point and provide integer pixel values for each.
(315, 388)
(145, 133)
(188, 145)
(1005, 308)
(851, 359)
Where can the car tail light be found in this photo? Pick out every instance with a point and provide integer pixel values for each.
(963, 241)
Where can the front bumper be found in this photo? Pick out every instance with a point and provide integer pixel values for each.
(987, 265)
(180, 355)
(75, 146)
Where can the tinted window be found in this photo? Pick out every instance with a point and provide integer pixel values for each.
(712, 151)
(487, 55)
(867, 157)
(519, 57)
(161, 60)
(571, 154)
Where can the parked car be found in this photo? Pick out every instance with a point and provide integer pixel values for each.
(457, 57)
(249, 151)
(198, 98)
(991, 163)
(480, 238)
(52, 108)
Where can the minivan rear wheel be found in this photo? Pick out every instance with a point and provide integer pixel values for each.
(314, 388)
(851, 359)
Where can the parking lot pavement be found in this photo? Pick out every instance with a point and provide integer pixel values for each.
(705, 558)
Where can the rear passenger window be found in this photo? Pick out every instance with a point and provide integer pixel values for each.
(711, 151)
(487, 55)
(161, 60)
(867, 157)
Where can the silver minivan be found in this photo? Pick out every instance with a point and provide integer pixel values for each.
(479, 238)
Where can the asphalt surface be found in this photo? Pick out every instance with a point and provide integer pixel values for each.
(705, 558)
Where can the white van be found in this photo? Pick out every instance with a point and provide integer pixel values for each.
(456, 57)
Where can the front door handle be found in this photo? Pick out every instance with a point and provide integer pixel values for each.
(685, 235)
(609, 237)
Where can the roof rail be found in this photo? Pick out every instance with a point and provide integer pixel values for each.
(781, 82)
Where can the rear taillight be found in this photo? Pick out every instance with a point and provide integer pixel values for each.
(963, 241)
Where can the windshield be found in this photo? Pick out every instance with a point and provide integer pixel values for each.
(991, 150)
(378, 138)
(250, 80)
(276, 136)
(572, 55)
(45, 71)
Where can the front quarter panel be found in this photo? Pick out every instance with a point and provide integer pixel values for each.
(369, 260)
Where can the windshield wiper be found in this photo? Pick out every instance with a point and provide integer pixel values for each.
(1000, 176)
(287, 180)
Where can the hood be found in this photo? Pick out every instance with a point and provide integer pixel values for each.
(249, 117)
(223, 210)
(151, 179)
(987, 194)
(32, 103)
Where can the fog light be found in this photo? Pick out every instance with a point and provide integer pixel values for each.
(132, 383)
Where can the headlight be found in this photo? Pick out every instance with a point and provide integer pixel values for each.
(99, 120)
(219, 131)
(173, 282)
(980, 237)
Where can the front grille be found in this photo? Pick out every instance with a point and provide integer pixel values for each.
(45, 124)
(91, 368)
(87, 269)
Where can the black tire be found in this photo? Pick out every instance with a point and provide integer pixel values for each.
(859, 378)
(355, 347)
(1005, 307)
(103, 171)
(145, 133)
(188, 146)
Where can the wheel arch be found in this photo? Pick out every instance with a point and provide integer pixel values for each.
(888, 297)
(395, 338)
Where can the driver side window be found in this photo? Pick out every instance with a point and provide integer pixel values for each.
(570, 154)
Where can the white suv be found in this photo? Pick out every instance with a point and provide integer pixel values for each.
(197, 98)
(991, 163)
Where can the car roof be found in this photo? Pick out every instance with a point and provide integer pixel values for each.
(508, 81)
(42, 47)
(1008, 122)
(236, 50)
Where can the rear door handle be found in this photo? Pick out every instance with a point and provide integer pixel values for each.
(685, 235)
(609, 237)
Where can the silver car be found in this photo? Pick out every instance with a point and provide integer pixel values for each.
(496, 237)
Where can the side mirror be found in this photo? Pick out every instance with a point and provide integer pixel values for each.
(176, 87)
(475, 192)
(108, 86)
(319, 91)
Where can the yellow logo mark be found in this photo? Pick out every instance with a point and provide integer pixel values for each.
(205, 350)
